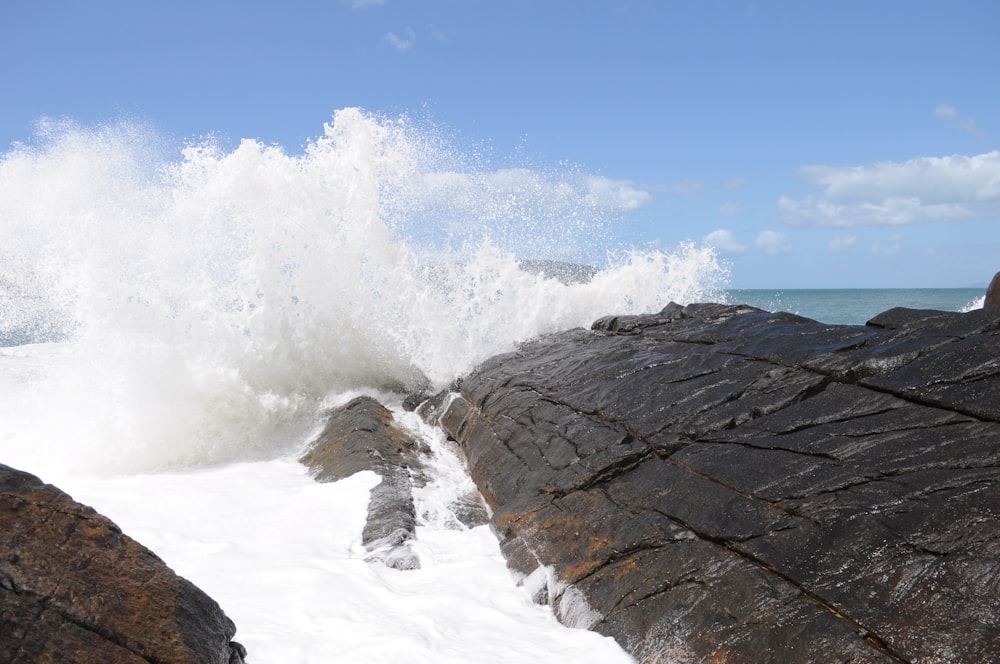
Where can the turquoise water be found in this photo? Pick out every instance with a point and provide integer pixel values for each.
(855, 306)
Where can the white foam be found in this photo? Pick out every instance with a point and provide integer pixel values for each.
(282, 555)
(975, 304)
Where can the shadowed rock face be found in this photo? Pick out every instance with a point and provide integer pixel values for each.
(716, 483)
(73, 588)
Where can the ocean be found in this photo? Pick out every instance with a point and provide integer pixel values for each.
(175, 322)
(856, 306)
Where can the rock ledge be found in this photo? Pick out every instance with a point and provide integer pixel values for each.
(719, 483)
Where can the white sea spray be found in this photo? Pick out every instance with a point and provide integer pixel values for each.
(212, 304)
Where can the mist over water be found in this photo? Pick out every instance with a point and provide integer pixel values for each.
(211, 302)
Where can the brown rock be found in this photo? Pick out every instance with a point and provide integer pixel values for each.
(992, 300)
(361, 435)
(73, 588)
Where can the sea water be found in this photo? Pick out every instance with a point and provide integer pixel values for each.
(855, 306)
(176, 320)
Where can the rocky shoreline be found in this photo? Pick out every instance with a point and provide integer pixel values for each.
(708, 483)
(719, 483)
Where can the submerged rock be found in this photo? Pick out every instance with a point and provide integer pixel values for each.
(719, 483)
(361, 436)
(73, 588)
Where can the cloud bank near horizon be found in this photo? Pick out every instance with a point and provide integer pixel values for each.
(924, 189)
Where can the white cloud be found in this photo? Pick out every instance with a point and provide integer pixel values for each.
(729, 209)
(950, 115)
(724, 242)
(933, 179)
(363, 4)
(773, 243)
(887, 212)
(402, 44)
(839, 244)
(924, 189)
(733, 183)
(614, 195)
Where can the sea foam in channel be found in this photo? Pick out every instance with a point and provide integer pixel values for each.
(211, 306)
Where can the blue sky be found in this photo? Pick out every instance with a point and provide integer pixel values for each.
(815, 144)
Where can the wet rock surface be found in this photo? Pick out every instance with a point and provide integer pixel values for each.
(718, 483)
(360, 436)
(73, 588)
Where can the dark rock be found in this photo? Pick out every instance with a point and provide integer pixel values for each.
(361, 436)
(413, 400)
(992, 300)
(431, 409)
(717, 483)
(73, 588)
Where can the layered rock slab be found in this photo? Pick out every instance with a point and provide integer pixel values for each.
(716, 483)
(73, 588)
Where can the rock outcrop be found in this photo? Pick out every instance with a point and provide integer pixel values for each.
(992, 300)
(361, 436)
(718, 483)
(73, 588)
